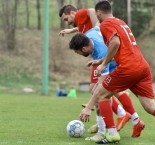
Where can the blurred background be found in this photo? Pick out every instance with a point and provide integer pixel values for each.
(21, 41)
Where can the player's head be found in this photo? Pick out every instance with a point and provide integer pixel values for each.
(81, 44)
(67, 13)
(102, 7)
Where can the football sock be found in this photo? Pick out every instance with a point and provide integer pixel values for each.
(135, 118)
(101, 125)
(112, 131)
(154, 113)
(120, 111)
(127, 103)
(117, 109)
(114, 104)
(106, 112)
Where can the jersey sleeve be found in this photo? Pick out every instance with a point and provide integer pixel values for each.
(108, 32)
(83, 21)
(82, 16)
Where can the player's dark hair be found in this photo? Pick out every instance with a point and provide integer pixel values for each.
(66, 9)
(78, 41)
(103, 5)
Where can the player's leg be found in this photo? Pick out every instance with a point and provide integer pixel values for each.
(112, 136)
(93, 85)
(128, 106)
(148, 104)
(144, 90)
(121, 112)
(125, 99)
(115, 82)
(122, 116)
(100, 127)
(107, 113)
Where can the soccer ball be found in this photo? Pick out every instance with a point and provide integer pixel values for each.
(75, 128)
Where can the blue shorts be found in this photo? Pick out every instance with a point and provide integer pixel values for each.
(109, 68)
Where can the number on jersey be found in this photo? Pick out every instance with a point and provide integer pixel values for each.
(129, 34)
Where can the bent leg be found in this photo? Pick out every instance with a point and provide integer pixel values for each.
(106, 108)
(125, 100)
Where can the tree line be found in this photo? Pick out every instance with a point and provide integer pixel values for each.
(15, 14)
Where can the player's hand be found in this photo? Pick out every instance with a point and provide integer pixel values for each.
(99, 69)
(65, 31)
(85, 114)
(94, 62)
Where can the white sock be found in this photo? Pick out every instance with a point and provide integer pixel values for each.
(135, 118)
(120, 111)
(101, 125)
(112, 131)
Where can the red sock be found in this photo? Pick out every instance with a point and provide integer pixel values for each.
(127, 103)
(106, 112)
(114, 105)
(153, 113)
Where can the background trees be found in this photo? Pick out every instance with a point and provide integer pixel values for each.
(141, 13)
(28, 14)
(21, 36)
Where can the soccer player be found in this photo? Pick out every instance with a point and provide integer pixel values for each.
(83, 20)
(133, 72)
(92, 44)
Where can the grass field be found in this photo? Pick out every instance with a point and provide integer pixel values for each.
(33, 119)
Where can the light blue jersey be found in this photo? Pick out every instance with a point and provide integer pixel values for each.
(100, 49)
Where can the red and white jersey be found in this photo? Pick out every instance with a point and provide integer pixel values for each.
(83, 21)
(128, 57)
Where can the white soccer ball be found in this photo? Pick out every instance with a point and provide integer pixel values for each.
(75, 128)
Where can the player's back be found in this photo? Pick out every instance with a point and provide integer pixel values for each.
(128, 57)
(99, 49)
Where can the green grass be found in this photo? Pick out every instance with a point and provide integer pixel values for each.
(32, 119)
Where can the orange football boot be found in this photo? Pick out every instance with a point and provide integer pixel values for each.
(137, 129)
(122, 121)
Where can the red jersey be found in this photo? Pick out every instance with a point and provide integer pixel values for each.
(83, 21)
(128, 57)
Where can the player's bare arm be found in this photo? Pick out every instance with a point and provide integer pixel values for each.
(86, 112)
(95, 62)
(112, 49)
(93, 17)
(68, 31)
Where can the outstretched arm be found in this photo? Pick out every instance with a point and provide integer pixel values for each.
(95, 62)
(68, 31)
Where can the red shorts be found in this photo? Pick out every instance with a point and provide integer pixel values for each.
(93, 78)
(140, 83)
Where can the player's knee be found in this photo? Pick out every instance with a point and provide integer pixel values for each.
(149, 108)
(148, 104)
